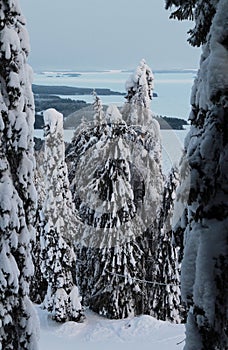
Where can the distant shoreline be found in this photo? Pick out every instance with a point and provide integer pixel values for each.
(47, 96)
(77, 73)
(69, 90)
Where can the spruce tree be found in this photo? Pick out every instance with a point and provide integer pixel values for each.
(145, 143)
(164, 294)
(110, 256)
(38, 285)
(139, 89)
(86, 135)
(144, 139)
(99, 116)
(91, 149)
(59, 228)
(19, 325)
(205, 261)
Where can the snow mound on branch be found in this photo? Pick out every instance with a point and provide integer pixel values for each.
(113, 115)
(54, 120)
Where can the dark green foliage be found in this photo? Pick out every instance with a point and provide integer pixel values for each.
(116, 292)
(64, 106)
(171, 122)
(204, 220)
(164, 300)
(201, 11)
(38, 286)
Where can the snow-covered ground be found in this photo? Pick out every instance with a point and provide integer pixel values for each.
(97, 333)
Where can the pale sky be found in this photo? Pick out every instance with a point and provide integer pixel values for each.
(104, 34)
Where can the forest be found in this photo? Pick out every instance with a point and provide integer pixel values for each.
(98, 225)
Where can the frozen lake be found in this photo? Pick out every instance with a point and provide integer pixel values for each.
(173, 88)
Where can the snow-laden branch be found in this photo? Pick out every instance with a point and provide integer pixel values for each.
(144, 281)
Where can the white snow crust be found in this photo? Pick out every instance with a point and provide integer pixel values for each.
(99, 333)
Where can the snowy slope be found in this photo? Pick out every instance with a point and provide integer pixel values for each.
(98, 333)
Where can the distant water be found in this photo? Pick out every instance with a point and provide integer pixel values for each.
(173, 88)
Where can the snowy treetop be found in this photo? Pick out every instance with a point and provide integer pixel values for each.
(53, 120)
(139, 86)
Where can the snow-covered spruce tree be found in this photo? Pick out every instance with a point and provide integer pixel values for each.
(164, 296)
(38, 286)
(139, 89)
(145, 140)
(99, 116)
(18, 322)
(59, 228)
(145, 143)
(205, 263)
(139, 86)
(85, 136)
(109, 253)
